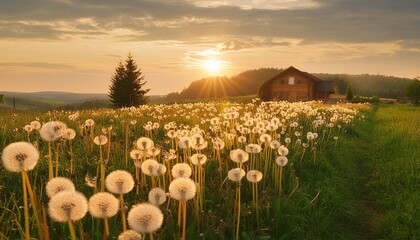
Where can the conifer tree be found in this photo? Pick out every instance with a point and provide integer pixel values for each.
(127, 85)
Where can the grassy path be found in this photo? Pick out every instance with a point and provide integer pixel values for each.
(389, 176)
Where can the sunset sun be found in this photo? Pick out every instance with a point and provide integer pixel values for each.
(213, 65)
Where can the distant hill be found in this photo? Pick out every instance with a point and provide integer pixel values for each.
(38, 101)
(248, 82)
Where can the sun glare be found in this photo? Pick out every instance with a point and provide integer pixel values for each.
(213, 65)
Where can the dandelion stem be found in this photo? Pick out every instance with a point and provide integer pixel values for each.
(34, 206)
(238, 189)
(184, 224)
(102, 169)
(50, 163)
(25, 205)
(123, 213)
(106, 228)
(56, 159)
(72, 232)
(151, 236)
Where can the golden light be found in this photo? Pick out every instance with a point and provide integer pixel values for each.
(213, 65)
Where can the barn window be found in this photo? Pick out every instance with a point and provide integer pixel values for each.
(291, 80)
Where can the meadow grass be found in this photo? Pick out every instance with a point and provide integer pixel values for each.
(337, 195)
(394, 164)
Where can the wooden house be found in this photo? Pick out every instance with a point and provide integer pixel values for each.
(294, 85)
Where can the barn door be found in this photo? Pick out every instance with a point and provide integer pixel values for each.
(292, 97)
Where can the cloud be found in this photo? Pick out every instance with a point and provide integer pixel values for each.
(38, 65)
(344, 21)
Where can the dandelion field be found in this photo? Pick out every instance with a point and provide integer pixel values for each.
(218, 170)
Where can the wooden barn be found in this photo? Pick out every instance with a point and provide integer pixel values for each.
(294, 85)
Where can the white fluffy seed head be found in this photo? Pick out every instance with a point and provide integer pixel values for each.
(100, 140)
(254, 176)
(239, 156)
(36, 125)
(52, 130)
(281, 161)
(236, 174)
(144, 143)
(198, 159)
(283, 151)
(148, 166)
(181, 170)
(130, 235)
(67, 205)
(145, 218)
(69, 134)
(20, 156)
(59, 184)
(103, 205)
(157, 196)
(182, 189)
(119, 182)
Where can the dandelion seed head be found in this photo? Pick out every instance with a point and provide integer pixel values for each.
(52, 130)
(67, 205)
(254, 176)
(283, 151)
(136, 154)
(130, 235)
(103, 205)
(157, 196)
(182, 189)
(145, 218)
(119, 182)
(236, 174)
(89, 122)
(239, 156)
(100, 140)
(59, 184)
(35, 125)
(281, 161)
(28, 128)
(198, 159)
(144, 143)
(148, 166)
(69, 134)
(181, 170)
(20, 156)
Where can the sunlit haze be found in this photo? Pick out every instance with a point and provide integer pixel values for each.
(74, 45)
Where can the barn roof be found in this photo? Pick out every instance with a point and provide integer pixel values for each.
(321, 85)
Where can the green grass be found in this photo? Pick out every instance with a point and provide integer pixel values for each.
(395, 171)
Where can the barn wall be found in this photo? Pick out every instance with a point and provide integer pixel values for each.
(302, 90)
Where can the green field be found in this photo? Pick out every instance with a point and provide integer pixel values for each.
(358, 179)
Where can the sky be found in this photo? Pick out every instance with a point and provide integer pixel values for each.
(75, 45)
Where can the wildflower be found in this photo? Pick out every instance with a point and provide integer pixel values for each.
(274, 144)
(145, 218)
(159, 170)
(67, 205)
(281, 161)
(182, 189)
(20, 156)
(69, 134)
(254, 176)
(28, 128)
(148, 166)
(100, 140)
(103, 205)
(253, 148)
(119, 182)
(265, 138)
(198, 159)
(59, 184)
(242, 139)
(89, 122)
(144, 143)
(53, 130)
(157, 196)
(181, 170)
(35, 125)
(130, 235)
(136, 154)
(283, 151)
(239, 156)
(236, 174)
(185, 142)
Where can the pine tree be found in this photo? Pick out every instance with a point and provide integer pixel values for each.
(349, 92)
(127, 84)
